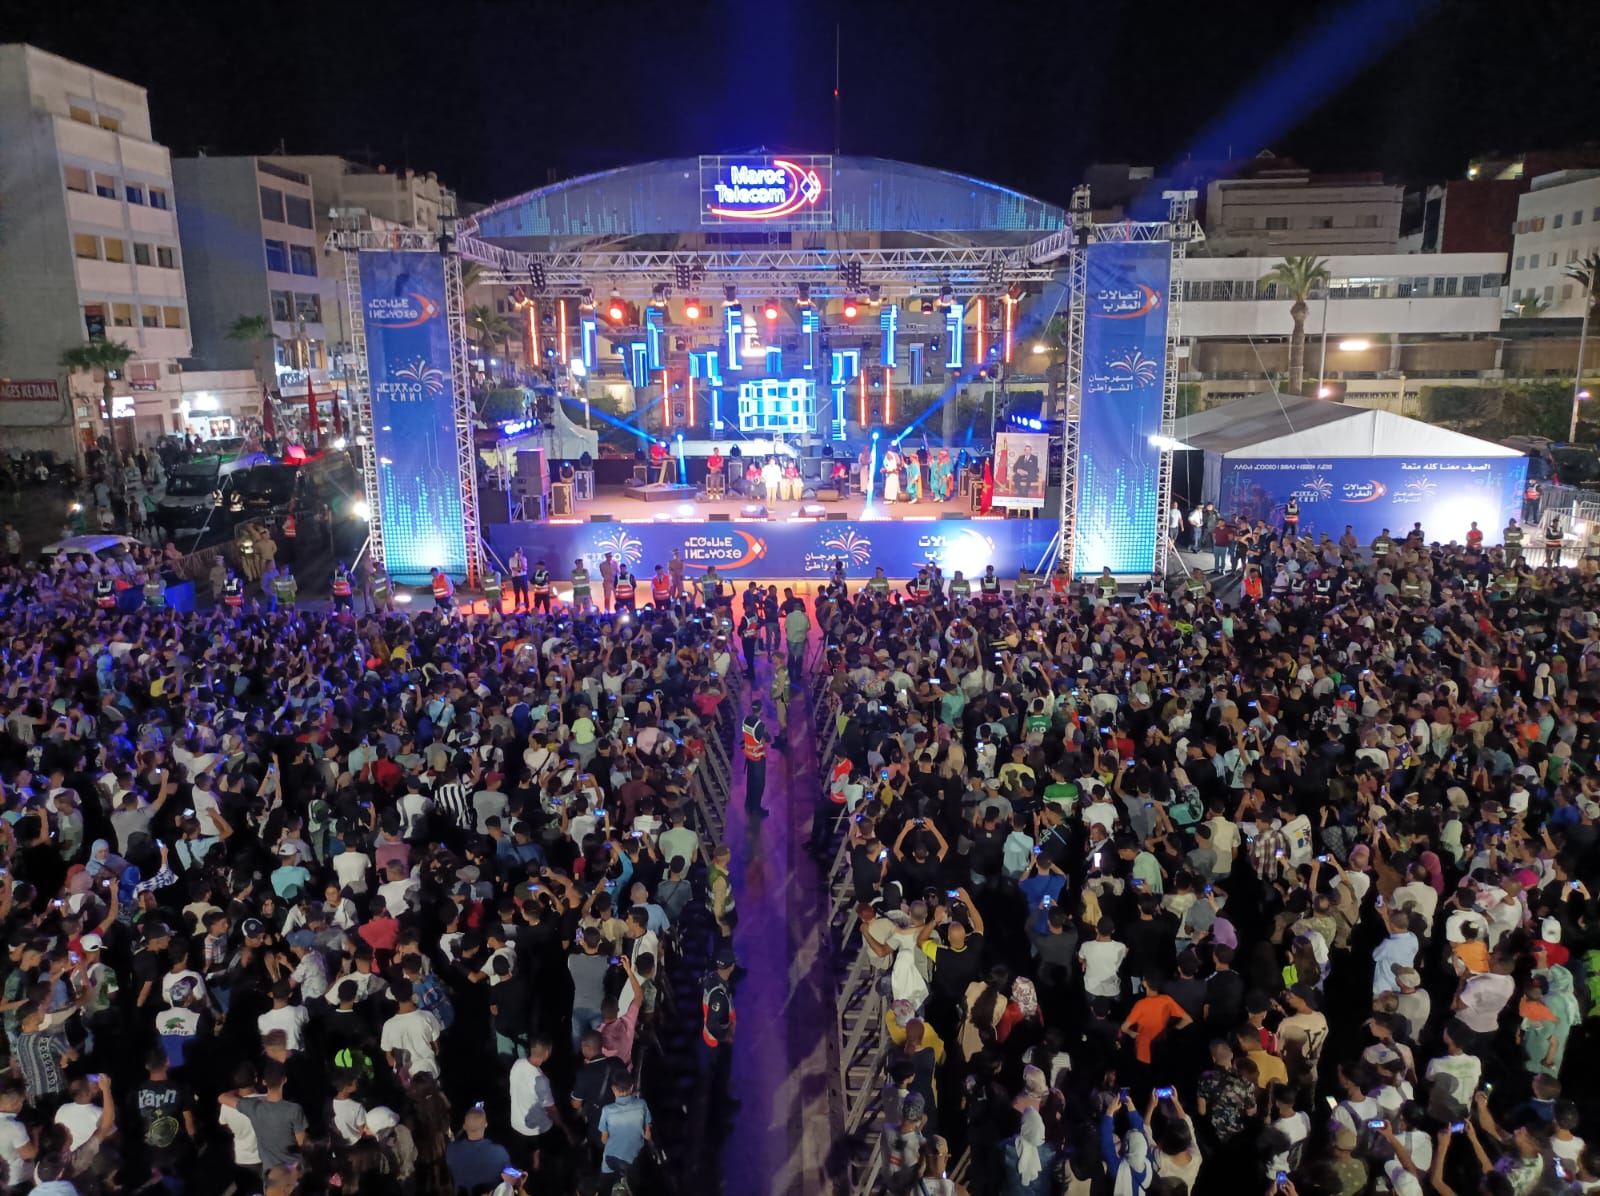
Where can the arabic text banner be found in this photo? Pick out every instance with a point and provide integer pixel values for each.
(1445, 495)
(1124, 368)
(408, 360)
(761, 551)
(1019, 469)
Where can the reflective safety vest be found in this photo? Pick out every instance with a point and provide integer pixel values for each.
(1107, 586)
(922, 586)
(755, 748)
(1381, 546)
(105, 594)
(580, 583)
(990, 583)
(1471, 583)
(1060, 581)
(541, 581)
(155, 593)
(716, 1006)
(247, 547)
(284, 589)
(750, 628)
(491, 587)
(1252, 585)
(713, 588)
(341, 584)
(1474, 537)
(380, 587)
(441, 587)
(288, 527)
(1196, 586)
(960, 587)
(660, 587)
(1411, 589)
(1509, 582)
(625, 587)
(1024, 584)
(233, 592)
(879, 585)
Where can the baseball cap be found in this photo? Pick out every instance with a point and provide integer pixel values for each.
(253, 928)
(91, 942)
(1550, 930)
(725, 958)
(302, 938)
(288, 849)
(156, 930)
(1344, 1139)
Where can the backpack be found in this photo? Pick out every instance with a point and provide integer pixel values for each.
(1188, 809)
(1366, 1136)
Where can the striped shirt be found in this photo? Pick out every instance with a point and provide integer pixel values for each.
(452, 799)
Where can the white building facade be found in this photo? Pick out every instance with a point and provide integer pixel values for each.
(91, 251)
(1558, 225)
(1300, 214)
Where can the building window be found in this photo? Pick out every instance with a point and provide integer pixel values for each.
(165, 258)
(134, 193)
(172, 317)
(277, 256)
(105, 186)
(1241, 224)
(282, 306)
(110, 124)
(158, 198)
(303, 260)
(1555, 221)
(77, 178)
(122, 315)
(1469, 286)
(141, 254)
(1572, 256)
(308, 307)
(1491, 284)
(116, 250)
(1550, 294)
(1577, 218)
(1368, 221)
(272, 204)
(82, 115)
(1536, 225)
(1323, 222)
(150, 316)
(86, 245)
(1519, 264)
(1566, 292)
(1277, 223)
(297, 209)
(94, 321)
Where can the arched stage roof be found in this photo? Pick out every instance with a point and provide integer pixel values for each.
(868, 195)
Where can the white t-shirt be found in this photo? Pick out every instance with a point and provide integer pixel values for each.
(416, 1033)
(291, 1019)
(1295, 1128)
(351, 869)
(80, 1120)
(349, 1116)
(13, 1136)
(246, 1151)
(1454, 1079)
(1100, 964)
(394, 893)
(531, 1099)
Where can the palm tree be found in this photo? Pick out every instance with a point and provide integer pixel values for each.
(488, 327)
(1054, 340)
(1587, 272)
(252, 331)
(1298, 278)
(1530, 306)
(109, 357)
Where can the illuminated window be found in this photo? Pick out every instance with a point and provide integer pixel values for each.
(277, 256)
(105, 186)
(282, 306)
(122, 315)
(77, 178)
(308, 308)
(82, 115)
(86, 245)
(116, 250)
(172, 317)
(110, 123)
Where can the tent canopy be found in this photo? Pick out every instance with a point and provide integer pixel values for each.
(1289, 426)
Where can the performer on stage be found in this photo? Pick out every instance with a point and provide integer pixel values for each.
(943, 480)
(913, 477)
(891, 476)
(986, 493)
(792, 487)
(716, 482)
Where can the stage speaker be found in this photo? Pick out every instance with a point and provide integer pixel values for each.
(600, 519)
(561, 498)
(838, 517)
(827, 494)
(532, 471)
(813, 510)
(808, 494)
(494, 506)
(641, 473)
(753, 510)
(720, 517)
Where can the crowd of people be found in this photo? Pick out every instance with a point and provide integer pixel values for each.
(1292, 892)
(302, 901)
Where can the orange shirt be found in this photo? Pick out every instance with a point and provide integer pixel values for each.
(1149, 1018)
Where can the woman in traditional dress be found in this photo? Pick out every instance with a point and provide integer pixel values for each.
(913, 477)
(986, 493)
(943, 480)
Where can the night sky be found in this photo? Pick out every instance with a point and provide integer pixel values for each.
(498, 97)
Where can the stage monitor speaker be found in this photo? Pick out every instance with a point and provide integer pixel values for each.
(838, 517)
(494, 506)
(600, 519)
(561, 498)
(827, 494)
(753, 510)
(720, 517)
(533, 471)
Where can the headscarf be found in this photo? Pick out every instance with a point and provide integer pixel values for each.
(1430, 860)
(109, 862)
(1450, 838)
(1360, 858)
(1134, 1175)
(1024, 997)
(1029, 1165)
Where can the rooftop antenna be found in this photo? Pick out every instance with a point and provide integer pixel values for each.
(836, 45)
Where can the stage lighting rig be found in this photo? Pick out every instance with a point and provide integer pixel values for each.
(852, 274)
(730, 293)
(802, 292)
(851, 308)
(536, 275)
(692, 310)
(771, 311)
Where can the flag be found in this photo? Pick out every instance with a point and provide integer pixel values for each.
(269, 426)
(313, 424)
(338, 417)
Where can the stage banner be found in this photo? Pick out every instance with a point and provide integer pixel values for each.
(413, 414)
(1019, 468)
(1367, 494)
(1124, 363)
(763, 551)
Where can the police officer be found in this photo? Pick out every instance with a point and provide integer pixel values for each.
(444, 592)
(233, 592)
(878, 584)
(1512, 538)
(716, 1028)
(749, 637)
(989, 585)
(519, 579)
(382, 592)
(580, 587)
(541, 588)
(105, 593)
(754, 739)
(343, 591)
(624, 588)
(284, 589)
(155, 592)
(960, 587)
(492, 591)
(1105, 586)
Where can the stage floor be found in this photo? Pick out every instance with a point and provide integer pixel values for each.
(610, 502)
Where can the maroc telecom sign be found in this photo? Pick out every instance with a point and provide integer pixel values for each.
(785, 190)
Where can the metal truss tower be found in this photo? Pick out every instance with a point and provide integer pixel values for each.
(455, 310)
(1082, 228)
(1180, 222)
(346, 238)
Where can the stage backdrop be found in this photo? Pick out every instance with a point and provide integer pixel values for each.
(1124, 362)
(763, 551)
(1019, 469)
(1445, 495)
(408, 361)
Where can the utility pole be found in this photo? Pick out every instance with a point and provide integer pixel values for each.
(1583, 335)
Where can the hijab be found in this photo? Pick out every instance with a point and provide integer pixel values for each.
(1133, 1176)
(1024, 997)
(1029, 1165)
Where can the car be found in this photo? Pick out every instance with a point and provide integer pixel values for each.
(103, 547)
(1576, 465)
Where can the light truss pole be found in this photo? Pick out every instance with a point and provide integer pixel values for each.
(455, 310)
(1081, 228)
(345, 237)
(1180, 219)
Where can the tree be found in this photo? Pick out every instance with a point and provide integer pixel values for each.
(252, 331)
(109, 357)
(488, 327)
(1530, 306)
(1587, 272)
(1298, 278)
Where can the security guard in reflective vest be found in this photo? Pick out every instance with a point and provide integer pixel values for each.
(155, 592)
(1512, 538)
(1023, 589)
(233, 592)
(1382, 547)
(541, 588)
(285, 590)
(750, 635)
(1410, 589)
(878, 584)
(580, 586)
(382, 594)
(491, 590)
(660, 587)
(343, 591)
(1195, 585)
(1105, 586)
(989, 584)
(960, 588)
(1323, 588)
(105, 593)
(754, 739)
(289, 536)
(444, 592)
(711, 586)
(624, 588)
(717, 1019)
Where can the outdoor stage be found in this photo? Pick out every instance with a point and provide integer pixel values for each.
(792, 540)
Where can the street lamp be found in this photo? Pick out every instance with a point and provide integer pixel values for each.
(1355, 345)
(1578, 393)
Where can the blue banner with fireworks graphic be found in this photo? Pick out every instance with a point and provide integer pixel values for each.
(1367, 494)
(413, 414)
(771, 551)
(1124, 360)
